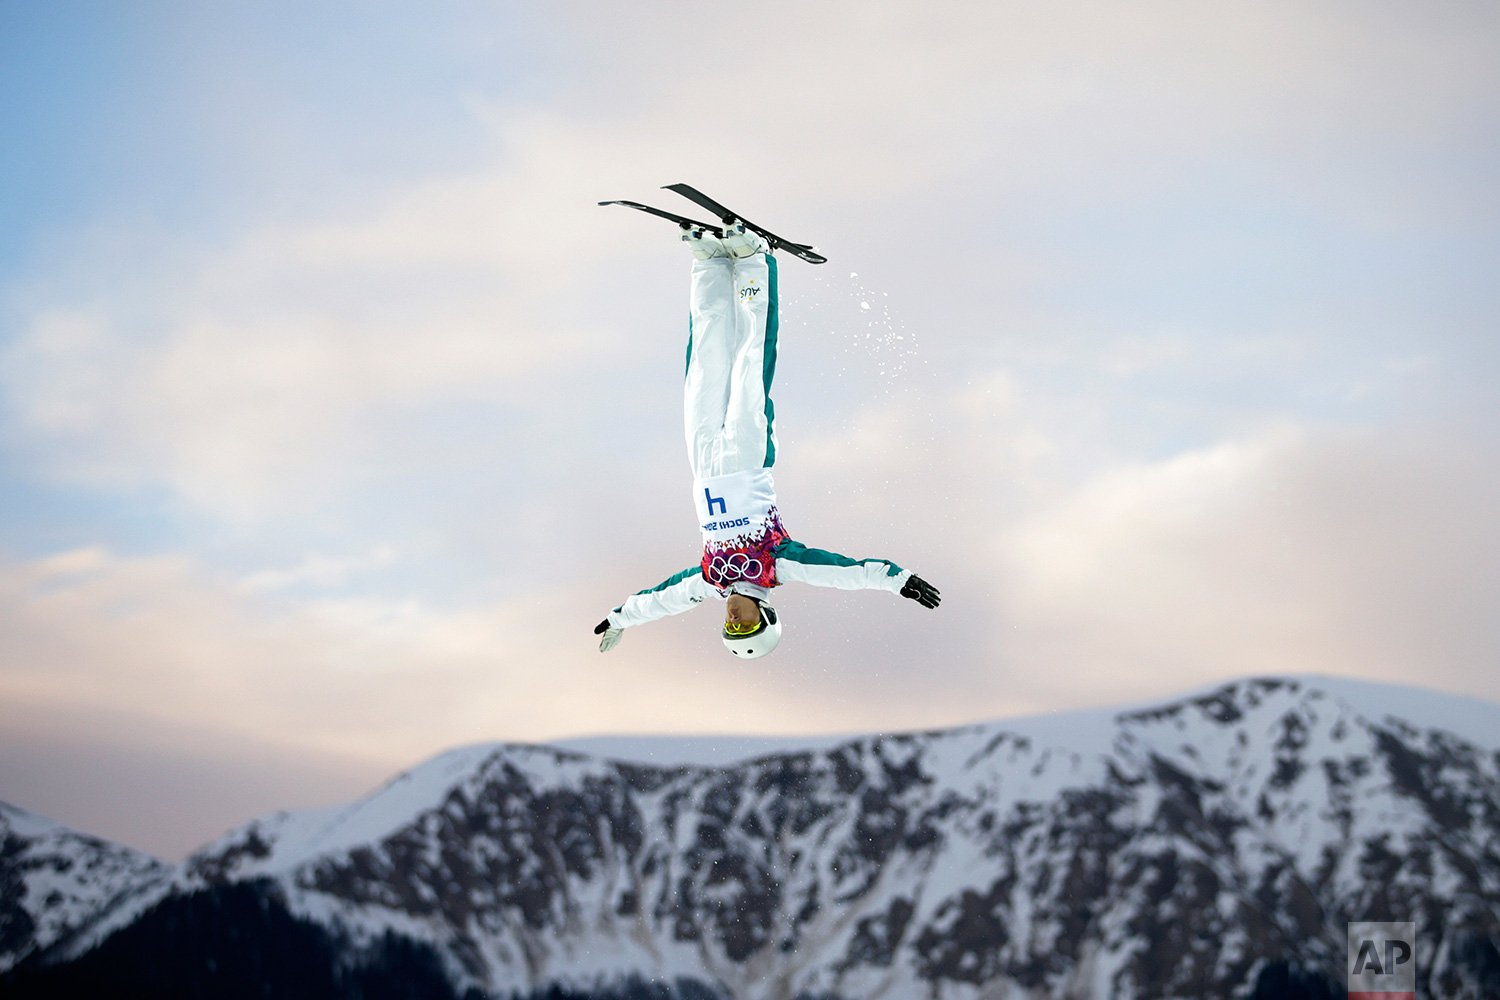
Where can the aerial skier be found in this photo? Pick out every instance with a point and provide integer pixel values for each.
(729, 422)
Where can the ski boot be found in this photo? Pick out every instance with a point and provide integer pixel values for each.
(742, 242)
(704, 244)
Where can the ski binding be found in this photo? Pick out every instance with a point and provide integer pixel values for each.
(802, 251)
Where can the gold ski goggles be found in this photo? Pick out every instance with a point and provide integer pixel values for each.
(738, 630)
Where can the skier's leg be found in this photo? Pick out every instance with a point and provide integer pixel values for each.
(712, 342)
(750, 417)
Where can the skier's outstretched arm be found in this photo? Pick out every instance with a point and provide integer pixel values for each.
(674, 595)
(797, 563)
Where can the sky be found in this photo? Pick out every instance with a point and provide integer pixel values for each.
(334, 413)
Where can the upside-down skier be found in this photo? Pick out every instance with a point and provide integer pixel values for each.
(731, 440)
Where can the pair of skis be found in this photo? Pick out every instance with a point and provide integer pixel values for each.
(802, 251)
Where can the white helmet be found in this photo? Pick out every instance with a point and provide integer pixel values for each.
(754, 645)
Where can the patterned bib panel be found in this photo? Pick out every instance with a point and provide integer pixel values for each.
(745, 558)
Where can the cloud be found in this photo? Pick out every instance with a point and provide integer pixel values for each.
(1036, 95)
(1287, 551)
(1288, 545)
(288, 351)
(170, 641)
(320, 570)
(275, 372)
(1174, 288)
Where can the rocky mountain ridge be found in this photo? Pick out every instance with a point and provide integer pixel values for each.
(1203, 847)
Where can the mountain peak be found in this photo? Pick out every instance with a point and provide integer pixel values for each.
(56, 879)
(1176, 849)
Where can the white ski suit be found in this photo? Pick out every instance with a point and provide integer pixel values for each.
(729, 422)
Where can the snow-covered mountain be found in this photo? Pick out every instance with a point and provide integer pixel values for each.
(55, 881)
(1213, 846)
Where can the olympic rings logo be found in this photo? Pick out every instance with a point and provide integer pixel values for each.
(736, 566)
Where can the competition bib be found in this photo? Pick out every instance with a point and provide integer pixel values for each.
(741, 526)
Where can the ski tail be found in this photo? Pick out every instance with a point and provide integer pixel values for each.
(682, 221)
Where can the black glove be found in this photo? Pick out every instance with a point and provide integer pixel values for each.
(601, 627)
(919, 590)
